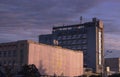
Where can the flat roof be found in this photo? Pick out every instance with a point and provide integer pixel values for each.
(33, 42)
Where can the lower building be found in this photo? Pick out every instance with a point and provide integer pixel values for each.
(48, 59)
(112, 64)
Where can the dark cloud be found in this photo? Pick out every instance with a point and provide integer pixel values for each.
(40, 11)
(112, 53)
(23, 19)
(26, 19)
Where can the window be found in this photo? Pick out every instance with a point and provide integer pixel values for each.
(84, 47)
(0, 54)
(13, 62)
(14, 53)
(5, 62)
(4, 53)
(9, 53)
(84, 36)
(59, 42)
(69, 37)
(85, 52)
(0, 63)
(74, 42)
(21, 56)
(84, 41)
(9, 62)
(74, 36)
(79, 36)
(64, 37)
(79, 47)
(22, 45)
(79, 42)
(79, 27)
(59, 37)
(74, 47)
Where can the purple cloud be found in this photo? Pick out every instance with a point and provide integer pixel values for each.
(26, 19)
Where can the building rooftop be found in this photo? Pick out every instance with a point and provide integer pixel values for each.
(30, 41)
(78, 25)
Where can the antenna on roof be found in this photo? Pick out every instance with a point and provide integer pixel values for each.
(81, 19)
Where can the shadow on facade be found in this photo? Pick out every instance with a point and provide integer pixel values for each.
(41, 69)
(43, 73)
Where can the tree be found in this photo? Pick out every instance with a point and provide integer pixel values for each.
(30, 71)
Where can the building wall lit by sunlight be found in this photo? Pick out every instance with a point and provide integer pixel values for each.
(48, 59)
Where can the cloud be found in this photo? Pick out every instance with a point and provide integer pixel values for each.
(112, 41)
(26, 19)
(21, 19)
(48, 11)
(108, 11)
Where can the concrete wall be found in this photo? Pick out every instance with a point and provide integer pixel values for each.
(10, 53)
(55, 60)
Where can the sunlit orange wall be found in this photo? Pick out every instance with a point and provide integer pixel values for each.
(55, 60)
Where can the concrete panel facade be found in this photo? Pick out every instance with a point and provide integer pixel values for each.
(55, 60)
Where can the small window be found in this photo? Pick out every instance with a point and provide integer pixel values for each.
(13, 62)
(84, 41)
(9, 53)
(84, 36)
(0, 54)
(9, 62)
(21, 56)
(4, 54)
(14, 53)
(85, 52)
(5, 62)
(84, 47)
